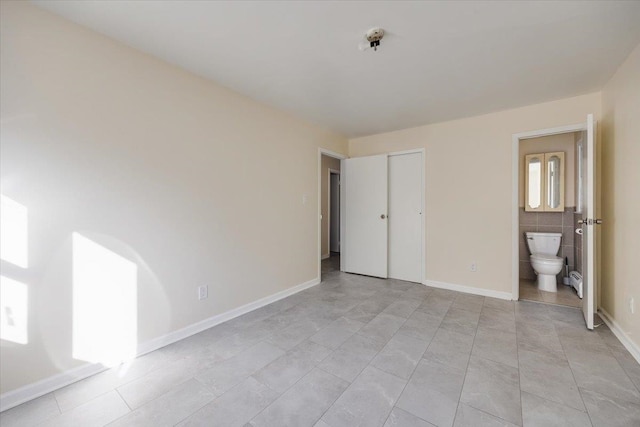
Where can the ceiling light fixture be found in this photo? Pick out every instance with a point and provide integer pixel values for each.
(373, 37)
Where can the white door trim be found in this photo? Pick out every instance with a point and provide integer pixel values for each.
(340, 157)
(515, 165)
(329, 172)
(420, 151)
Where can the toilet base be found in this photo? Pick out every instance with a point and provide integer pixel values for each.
(547, 282)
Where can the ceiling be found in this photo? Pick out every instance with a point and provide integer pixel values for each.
(440, 60)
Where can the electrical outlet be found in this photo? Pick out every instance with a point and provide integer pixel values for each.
(632, 305)
(203, 292)
(474, 267)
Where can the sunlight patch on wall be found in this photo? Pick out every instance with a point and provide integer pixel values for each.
(13, 232)
(104, 304)
(13, 317)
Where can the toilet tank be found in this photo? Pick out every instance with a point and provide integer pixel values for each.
(544, 243)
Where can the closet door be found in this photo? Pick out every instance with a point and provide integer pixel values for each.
(365, 183)
(405, 216)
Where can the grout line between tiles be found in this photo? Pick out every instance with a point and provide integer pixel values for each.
(573, 375)
(466, 370)
(412, 372)
(519, 371)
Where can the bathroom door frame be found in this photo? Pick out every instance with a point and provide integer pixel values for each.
(341, 157)
(329, 216)
(515, 168)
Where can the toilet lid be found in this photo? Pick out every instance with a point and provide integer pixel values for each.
(545, 257)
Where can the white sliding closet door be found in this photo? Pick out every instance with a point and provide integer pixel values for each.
(405, 217)
(365, 185)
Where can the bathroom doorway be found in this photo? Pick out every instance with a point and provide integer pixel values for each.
(330, 201)
(553, 217)
(550, 212)
(334, 212)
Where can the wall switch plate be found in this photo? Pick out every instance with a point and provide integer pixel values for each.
(304, 199)
(203, 292)
(474, 267)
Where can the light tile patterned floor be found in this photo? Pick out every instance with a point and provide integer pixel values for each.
(566, 295)
(360, 351)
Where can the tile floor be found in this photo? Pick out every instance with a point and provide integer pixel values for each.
(566, 295)
(360, 351)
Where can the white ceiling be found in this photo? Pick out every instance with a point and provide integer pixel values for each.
(442, 60)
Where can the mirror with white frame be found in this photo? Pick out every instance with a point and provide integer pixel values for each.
(534, 178)
(544, 182)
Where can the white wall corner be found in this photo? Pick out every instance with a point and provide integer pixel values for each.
(469, 289)
(631, 346)
(32, 391)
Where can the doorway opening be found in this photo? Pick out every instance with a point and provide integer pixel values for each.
(550, 188)
(538, 196)
(330, 200)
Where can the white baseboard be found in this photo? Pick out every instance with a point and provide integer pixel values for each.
(633, 348)
(325, 256)
(194, 328)
(40, 388)
(468, 289)
(34, 390)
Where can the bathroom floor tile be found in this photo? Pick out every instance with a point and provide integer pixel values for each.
(566, 295)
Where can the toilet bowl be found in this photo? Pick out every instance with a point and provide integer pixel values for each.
(543, 248)
(547, 267)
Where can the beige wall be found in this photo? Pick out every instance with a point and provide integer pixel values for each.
(469, 185)
(563, 142)
(195, 183)
(326, 164)
(620, 230)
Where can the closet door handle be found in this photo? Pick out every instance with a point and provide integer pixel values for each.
(383, 216)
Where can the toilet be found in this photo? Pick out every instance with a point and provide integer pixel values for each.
(544, 247)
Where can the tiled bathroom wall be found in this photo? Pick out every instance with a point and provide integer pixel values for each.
(550, 222)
